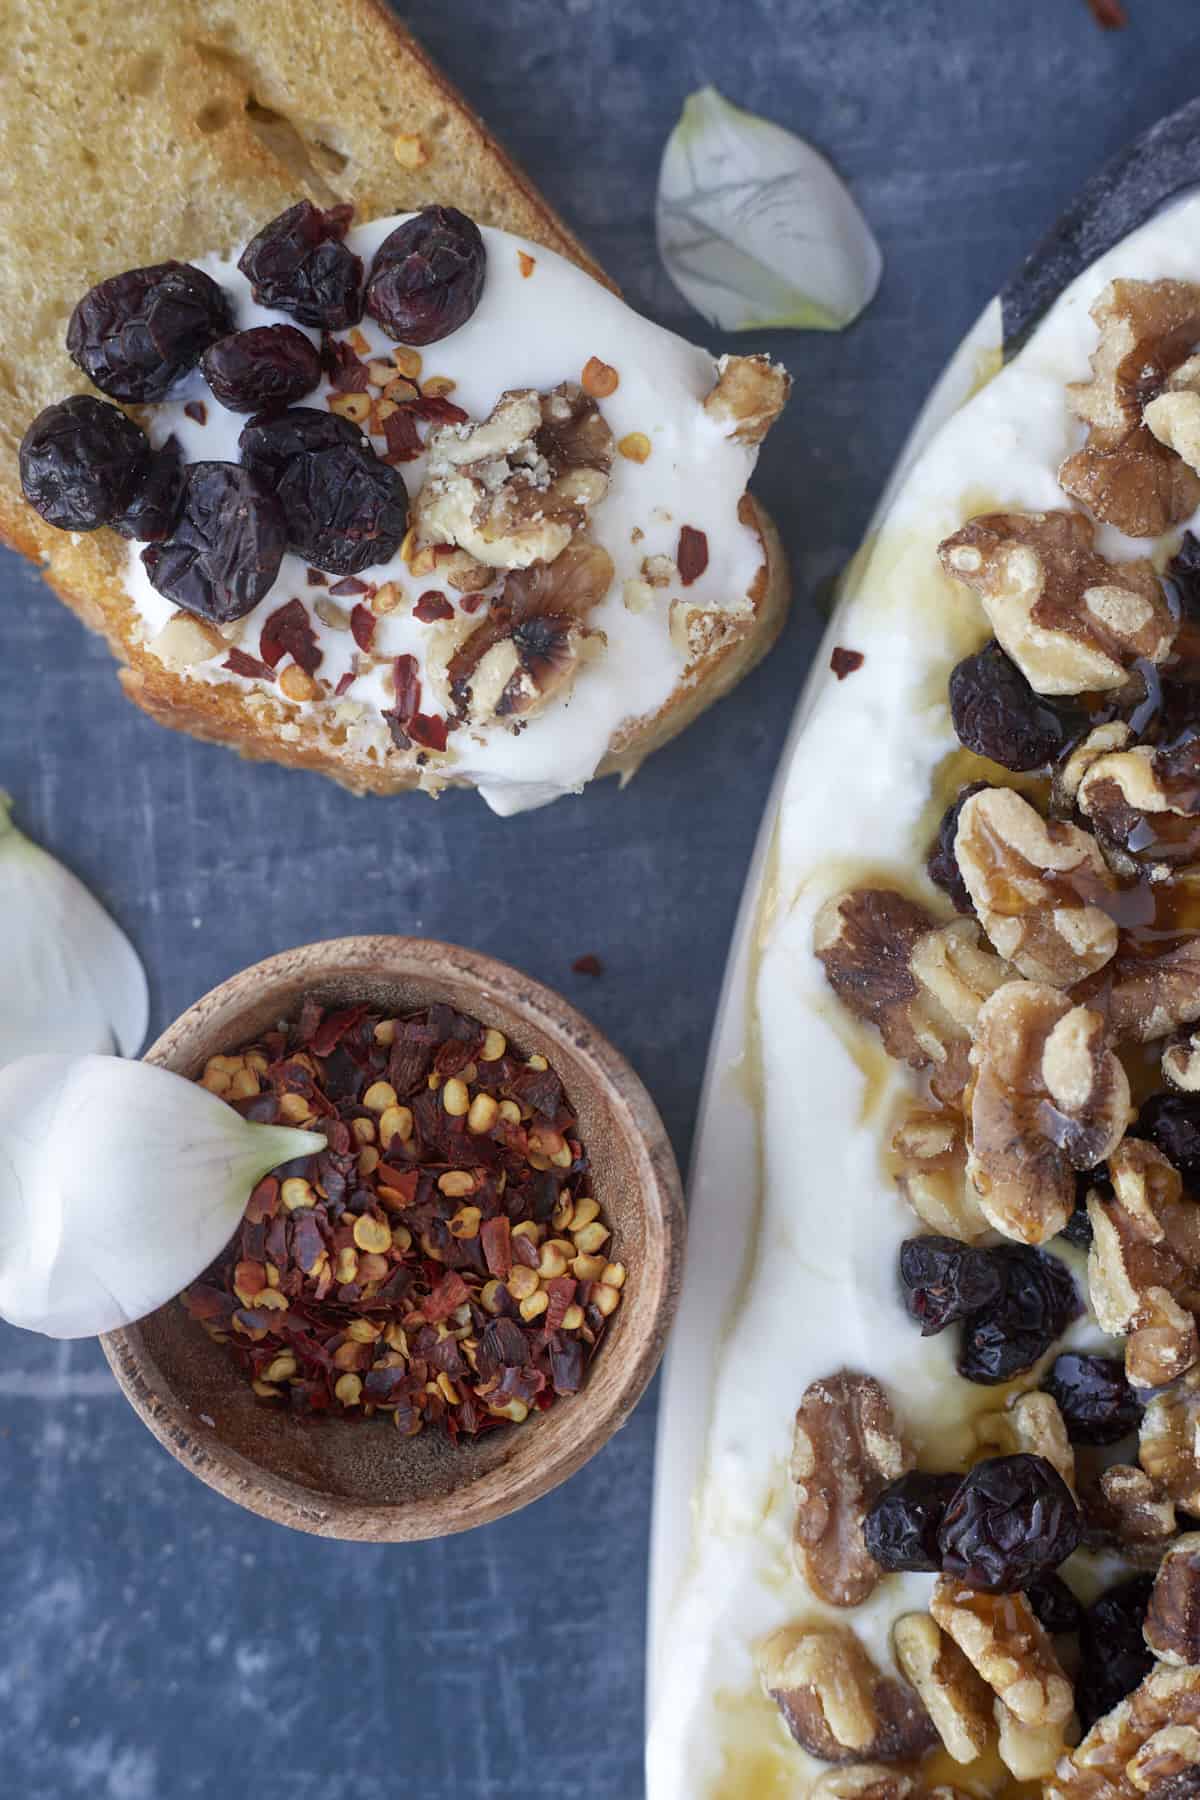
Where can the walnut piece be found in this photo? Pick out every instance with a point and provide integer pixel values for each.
(1035, 884)
(919, 983)
(1124, 473)
(514, 489)
(1048, 1097)
(1117, 1758)
(1031, 1752)
(1174, 415)
(1136, 1509)
(1031, 1425)
(863, 1781)
(1002, 1639)
(1145, 805)
(1172, 1628)
(1071, 621)
(1155, 992)
(845, 1449)
(930, 1165)
(956, 1698)
(1169, 1441)
(1144, 1264)
(749, 395)
(1070, 773)
(835, 1702)
(1181, 1063)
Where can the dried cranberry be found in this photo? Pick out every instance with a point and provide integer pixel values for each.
(153, 504)
(1054, 1605)
(997, 714)
(1097, 1403)
(345, 509)
(135, 335)
(225, 552)
(298, 264)
(1037, 1303)
(901, 1529)
(427, 276)
(267, 366)
(1114, 1657)
(943, 864)
(80, 461)
(945, 1280)
(1172, 1123)
(1011, 1518)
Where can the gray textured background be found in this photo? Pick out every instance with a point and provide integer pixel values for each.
(156, 1641)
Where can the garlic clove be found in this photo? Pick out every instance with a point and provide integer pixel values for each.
(119, 1184)
(70, 978)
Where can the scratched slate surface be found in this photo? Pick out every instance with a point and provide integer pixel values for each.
(156, 1641)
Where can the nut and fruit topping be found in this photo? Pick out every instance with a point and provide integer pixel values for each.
(1131, 1509)
(930, 1165)
(225, 548)
(1012, 1518)
(845, 1449)
(80, 462)
(835, 1702)
(1096, 1402)
(749, 395)
(997, 714)
(1071, 621)
(1013, 1302)
(267, 366)
(956, 1698)
(1004, 1642)
(441, 1259)
(1143, 1746)
(427, 276)
(345, 508)
(136, 335)
(1169, 1441)
(299, 264)
(1144, 1264)
(1172, 1628)
(901, 1528)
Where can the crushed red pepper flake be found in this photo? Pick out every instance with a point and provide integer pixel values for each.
(355, 1261)
(844, 662)
(431, 606)
(403, 438)
(1110, 15)
(240, 664)
(691, 557)
(196, 409)
(289, 632)
(588, 965)
(406, 722)
(317, 578)
(349, 584)
(362, 625)
(345, 371)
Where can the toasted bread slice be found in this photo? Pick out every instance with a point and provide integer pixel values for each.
(132, 133)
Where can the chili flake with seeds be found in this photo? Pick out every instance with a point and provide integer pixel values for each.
(442, 1259)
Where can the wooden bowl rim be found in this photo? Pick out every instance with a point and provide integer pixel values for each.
(524, 1477)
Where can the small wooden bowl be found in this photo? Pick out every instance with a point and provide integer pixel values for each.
(360, 1479)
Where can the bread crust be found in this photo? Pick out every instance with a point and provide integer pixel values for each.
(260, 164)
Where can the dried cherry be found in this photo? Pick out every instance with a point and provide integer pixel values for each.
(901, 1528)
(225, 551)
(998, 715)
(152, 505)
(944, 1280)
(135, 335)
(942, 864)
(1055, 1607)
(1036, 1304)
(1011, 1518)
(1172, 1123)
(427, 276)
(267, 366)
(80, 461)
(345, 509)
(1096, 1401)
(299, 264)
(1113, 1652)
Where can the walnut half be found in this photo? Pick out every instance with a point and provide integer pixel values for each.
(845, 1450)
(1003, 1641)
(835, 1702)
(749, 394)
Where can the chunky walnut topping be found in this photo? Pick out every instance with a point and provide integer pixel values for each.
(1048, 1097)
(1144, 1264)
(1135, 1509)
(749, 395)
(1070, 620)
(514, 489)
(1002, 1639)
(1174, 415)
(1029, 1752)
(845, 1450)
(919, 983)
(863, 1781)
(1181, 1063)
(930, 1167)
(533, 641)
(1032, 1425)
(1118, 1757)
(1169, 1441)
(956, 1698)
(1035, 884)
(1098, 742)
(1155, 992)
(1124, 473)
(1172, 1628)
(1145, 805)
(835, 1702)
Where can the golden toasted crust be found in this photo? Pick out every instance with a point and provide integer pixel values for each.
(186, 123)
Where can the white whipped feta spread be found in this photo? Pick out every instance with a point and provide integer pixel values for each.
(822, 1293)
(532, 330)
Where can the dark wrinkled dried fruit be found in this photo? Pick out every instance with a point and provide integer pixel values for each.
(345, 508)
(427, 276)
(1182, 1786)
(298, 264)
(901, 1529)
(1036, 1305)
(1172, 1123)
(997, 714)
(944, 1280)
(1078, 1228)
(1054, 1605)
(1183, 576)
(80, 461)
(266, 367)
(1011, 1518)
(942, 863)
(135, 335)
(1097, 1403)
(225, 552)
(1114, 1657)
(152, 505)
